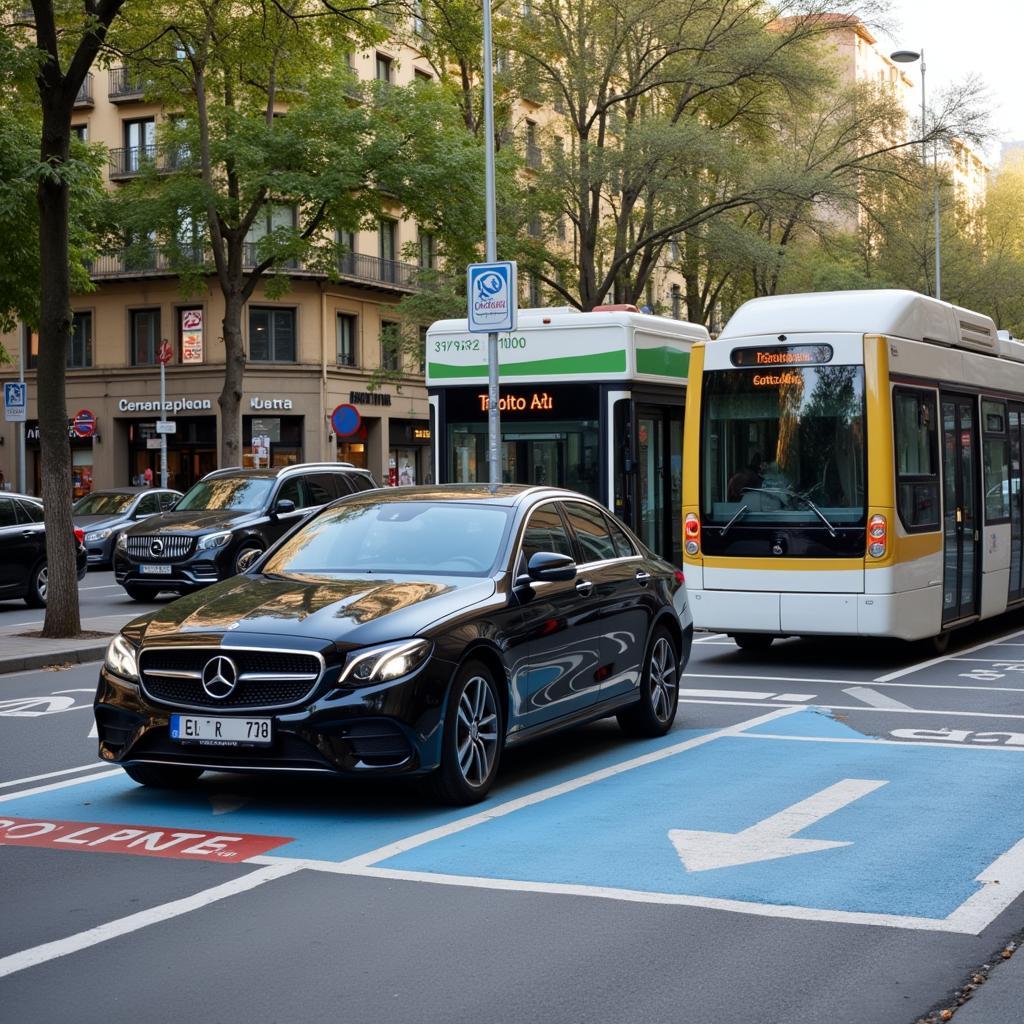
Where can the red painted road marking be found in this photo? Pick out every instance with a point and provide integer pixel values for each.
(142, 841)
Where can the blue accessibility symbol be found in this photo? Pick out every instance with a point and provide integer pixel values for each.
(492, 288)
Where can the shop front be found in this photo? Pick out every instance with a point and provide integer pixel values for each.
(191, 450)
(409, 458)
(81, 439)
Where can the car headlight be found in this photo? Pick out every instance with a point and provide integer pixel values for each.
(122, 542)
(121, 659)
(388, 661)
(213, 540)
(92, 538)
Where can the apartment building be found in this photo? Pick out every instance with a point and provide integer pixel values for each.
(308, 352)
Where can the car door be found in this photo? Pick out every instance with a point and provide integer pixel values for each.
(21, 542)
(562, 628)
(622, 595)
(148, 505)
(293, 489)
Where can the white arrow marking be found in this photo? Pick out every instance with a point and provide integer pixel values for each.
(93, 733)
(771, 838)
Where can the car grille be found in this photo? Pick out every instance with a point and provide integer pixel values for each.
(266, 679)
(172, 545)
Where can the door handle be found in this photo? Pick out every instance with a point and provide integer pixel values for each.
(643, 578)
(28, 533)
(584, 587)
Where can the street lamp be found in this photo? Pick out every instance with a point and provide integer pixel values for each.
(909, 57)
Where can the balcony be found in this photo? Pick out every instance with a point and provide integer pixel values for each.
(136, 261)
(130, 161)
(125, 84)
(84, 97)
(392, 274)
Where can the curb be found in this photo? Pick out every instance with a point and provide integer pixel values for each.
(28, 662)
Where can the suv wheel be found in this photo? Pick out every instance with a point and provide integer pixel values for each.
(37, 586)
(244, 549)
(163, 776)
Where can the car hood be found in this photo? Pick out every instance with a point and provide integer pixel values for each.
(346, 610)
(98, 522)
(198, 521)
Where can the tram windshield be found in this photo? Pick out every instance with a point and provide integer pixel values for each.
(784, 446)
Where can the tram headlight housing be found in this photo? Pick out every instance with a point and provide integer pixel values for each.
(691, 534)
(878, 536)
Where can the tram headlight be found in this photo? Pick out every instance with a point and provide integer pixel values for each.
(878, 536)
(691, 534)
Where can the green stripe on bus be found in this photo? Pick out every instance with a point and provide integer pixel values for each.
(663, 362)
(593, 362)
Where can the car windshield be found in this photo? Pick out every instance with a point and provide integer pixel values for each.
(422, 537)
(102, 504)
(239, 493)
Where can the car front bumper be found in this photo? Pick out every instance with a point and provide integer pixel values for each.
(190, 574)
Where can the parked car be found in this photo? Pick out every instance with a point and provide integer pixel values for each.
(229, 515)
(23, 571)
(104, 514)
(414, 631)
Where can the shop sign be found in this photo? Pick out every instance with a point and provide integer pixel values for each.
(191, 335)
(32, 432)
(369, 398)
(270, 403)
(269, 427)
(84, 423)
(421, 434)
(345, 420)
(536, 401)
(171, 405)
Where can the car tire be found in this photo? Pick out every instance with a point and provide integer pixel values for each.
(137, 593)
(469, 756)
(753, 641)
(163, 776)
(242, 549)
(35, 596)
(655, 711)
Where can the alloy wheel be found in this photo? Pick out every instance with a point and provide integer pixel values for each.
(41, 581)
(664, 681)
(476, 731)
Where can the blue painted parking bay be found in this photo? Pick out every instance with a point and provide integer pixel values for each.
(800, 816)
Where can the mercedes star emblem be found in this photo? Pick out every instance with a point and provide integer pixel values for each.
(220, 677)
(157, 547)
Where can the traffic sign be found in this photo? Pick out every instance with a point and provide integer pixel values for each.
(345, 420)
(492, 290)
(164, 353)
(15, 401)
(84, 423)
(166, 427)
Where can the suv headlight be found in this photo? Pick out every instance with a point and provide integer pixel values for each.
(388, 661)
(121, 659)
(122, 542)
(213, 540)
(91, 538)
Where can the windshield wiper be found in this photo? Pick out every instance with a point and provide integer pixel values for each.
(728, 526)
(817, 511)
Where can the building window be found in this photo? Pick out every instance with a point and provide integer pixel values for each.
(428, 250)
(274, 217)
(346, 339)
(533, 156)
(389, 339)
(145, 335)
(139, 144)
(422, 352)
(388, 239)
(385, 68)
(418, 24)
(81, 132)
(271, 335)
(677, 302)
(421, 76)
(80, 342)
(560, 228)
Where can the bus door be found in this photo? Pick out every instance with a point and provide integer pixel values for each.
(1016, 496)
(960, 526)
(659, 465)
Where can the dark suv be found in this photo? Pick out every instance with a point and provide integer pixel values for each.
(222, 521)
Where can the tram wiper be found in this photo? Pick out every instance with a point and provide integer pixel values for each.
(728, 526)
(817, 511)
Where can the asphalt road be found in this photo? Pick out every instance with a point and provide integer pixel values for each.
(605, 880)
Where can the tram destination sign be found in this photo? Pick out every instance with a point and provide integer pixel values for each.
(781, 355)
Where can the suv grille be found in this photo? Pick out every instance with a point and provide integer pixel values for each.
(265, 679)
(170, 546)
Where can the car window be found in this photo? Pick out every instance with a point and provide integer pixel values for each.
(167, 500)
(361, 482)
(591, 531)
(8, 517)
(545, 531)
(323, 487)
(31, 512)
(624, 547)
(148, 505)
(292, 490)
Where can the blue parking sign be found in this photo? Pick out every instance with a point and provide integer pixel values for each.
(492, 295)
(15, 401)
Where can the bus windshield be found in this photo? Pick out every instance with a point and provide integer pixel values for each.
(784, 446)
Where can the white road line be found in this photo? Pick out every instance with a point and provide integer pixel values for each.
(133, 922)
(50, 775)
(1003, 881)
(875, 699)
(992, 661)
(910, 669)
(851, 682)
(105, 586)
(796, 697)
(857, 707)
(94, 733)
(59, 785)
(500, 810)
(749, 694)
(877, 741)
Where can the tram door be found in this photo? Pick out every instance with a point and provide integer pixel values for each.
(658, 447)
(959, 511)
(1016, 588)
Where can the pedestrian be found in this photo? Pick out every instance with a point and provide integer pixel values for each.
(747, 478)
(147, 477)
(3, 482)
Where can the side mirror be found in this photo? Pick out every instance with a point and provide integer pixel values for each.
(284, 506)
(547, 567)
(247, 558)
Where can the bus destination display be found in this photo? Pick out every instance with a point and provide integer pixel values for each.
(782, 355)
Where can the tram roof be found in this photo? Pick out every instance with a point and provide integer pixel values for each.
(890, 311)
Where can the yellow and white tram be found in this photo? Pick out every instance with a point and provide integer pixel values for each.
(853, 466)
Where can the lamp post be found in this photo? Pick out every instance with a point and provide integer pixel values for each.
(909, 57)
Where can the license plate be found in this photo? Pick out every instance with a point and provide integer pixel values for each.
(221, 731)
(155, 570)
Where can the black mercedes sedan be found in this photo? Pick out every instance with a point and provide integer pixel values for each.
(413, 631)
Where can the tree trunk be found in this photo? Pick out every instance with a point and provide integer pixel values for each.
(62, 614)
(230, 400)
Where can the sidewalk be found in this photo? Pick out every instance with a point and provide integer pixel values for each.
(1001, 999)
(22, 653)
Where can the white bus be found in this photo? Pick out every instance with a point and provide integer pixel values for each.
(853, 466)
(591, 401)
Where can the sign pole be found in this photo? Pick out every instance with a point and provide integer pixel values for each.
(493, 407)
(163, 412)
(22, 471)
